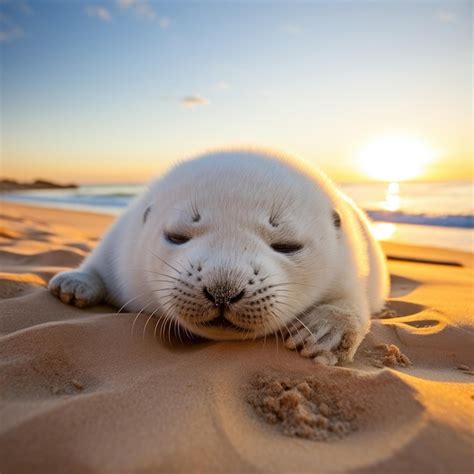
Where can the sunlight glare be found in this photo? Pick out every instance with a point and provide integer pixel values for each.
(383, 230)
(395, 158)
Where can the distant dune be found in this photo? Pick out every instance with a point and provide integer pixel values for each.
(13, 185)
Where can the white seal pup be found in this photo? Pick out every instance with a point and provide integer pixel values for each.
(241, 244)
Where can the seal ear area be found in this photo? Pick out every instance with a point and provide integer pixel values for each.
(146, 213)
(336, 219)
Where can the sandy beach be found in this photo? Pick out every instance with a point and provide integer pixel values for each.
(80, 393)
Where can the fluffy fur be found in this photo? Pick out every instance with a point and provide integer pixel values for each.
(242, 244)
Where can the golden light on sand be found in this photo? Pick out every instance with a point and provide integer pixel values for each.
(395, 158)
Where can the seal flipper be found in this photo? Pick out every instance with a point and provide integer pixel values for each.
(78, 288)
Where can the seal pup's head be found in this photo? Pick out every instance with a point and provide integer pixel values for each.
(239, 244)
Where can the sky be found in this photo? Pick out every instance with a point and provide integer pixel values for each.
(115, 91)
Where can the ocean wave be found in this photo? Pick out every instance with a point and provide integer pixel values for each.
(115, 201)
(87, 200)
(400, 217)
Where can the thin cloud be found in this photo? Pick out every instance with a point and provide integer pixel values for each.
(125, 3)
(97, 11)
(291, 29)
(11, 34)
(144, 10)
(445, 16)
(19, 6)
(192, 101)
(10, 30)
(223, 85)
(25, 8)
(163, 21)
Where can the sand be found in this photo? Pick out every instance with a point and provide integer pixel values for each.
(78, 393)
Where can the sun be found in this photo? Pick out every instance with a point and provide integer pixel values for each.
(395, 158)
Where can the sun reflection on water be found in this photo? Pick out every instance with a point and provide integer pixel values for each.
(392, 203)
(392, 200)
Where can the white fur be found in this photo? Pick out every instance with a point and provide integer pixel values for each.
(322, 295)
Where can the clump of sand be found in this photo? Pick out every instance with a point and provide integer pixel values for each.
(465, 369)
(387, 313)
(388, 355)
(303, 407)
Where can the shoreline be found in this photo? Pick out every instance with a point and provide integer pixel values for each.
(412, 250)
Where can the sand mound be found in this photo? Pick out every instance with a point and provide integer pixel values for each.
(303, 407)
(12, 285)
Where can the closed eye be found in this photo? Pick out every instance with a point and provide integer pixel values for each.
(286, 247)
(176, 239)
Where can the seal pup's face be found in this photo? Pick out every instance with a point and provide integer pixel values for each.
(239, 245)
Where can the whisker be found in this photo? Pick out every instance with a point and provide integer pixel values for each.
(130, 300)
(304, 325)
(163, 326)
(169, 330)
(162, 289)
(148, 320)
(279, 327)
(284, 303)
(266, 277)
(138, 315)
(163, 317)
(160, 281)
(162, 274)
(292, 283)
(177, 330)
(165, 262)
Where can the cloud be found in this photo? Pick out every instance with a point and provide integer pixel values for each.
(18, 6)
(97, 11)
(25, 8)
(445, 16)
(125, 3)
(163, 21)
(223, 85)
(192, 101)
(144, 10)
(11, 33)
(291, 29)
(9, 28)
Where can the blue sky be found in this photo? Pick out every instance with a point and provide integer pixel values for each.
(115, 90)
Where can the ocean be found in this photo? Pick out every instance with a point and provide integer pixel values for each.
(429, 214)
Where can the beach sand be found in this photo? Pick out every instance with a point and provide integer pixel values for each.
(78, 393)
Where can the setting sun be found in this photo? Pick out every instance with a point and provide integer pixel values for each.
(395, 158)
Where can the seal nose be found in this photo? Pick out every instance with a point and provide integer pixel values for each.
(222, 299)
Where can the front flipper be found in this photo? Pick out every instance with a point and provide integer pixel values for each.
(328, 334)
(78, 288)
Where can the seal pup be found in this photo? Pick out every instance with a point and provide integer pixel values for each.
(240, 244)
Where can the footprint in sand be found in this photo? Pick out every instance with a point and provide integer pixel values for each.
(10, 234)
(11, 218)
(402, 286)
(13, 284)
(79, 245)
(59, 258)
(41, 376)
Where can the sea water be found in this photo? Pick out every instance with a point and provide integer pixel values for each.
(429, 214)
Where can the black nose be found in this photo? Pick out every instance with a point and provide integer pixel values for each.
(219, 299)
